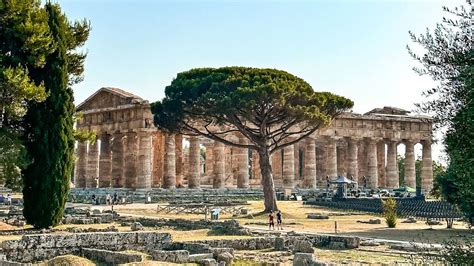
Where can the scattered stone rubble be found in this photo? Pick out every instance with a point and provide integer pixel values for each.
(371, 221)
(317, 216)
(409, 220)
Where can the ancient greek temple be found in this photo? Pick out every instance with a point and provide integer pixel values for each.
(131, 153)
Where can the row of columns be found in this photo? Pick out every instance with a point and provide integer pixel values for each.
(123, 160)
(377, 163)
(215, 162)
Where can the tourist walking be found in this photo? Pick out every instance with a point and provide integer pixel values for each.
(279, 220)
(108, 199)
(9, 199)
(271, 223)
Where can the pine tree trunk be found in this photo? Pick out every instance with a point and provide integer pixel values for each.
(267, 182)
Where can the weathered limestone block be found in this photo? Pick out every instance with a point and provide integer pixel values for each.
(302, 246)
(111, 257)
(197, 258)
(208, 262)
(175, 256)
(279, 244)
(317, 216)
(303, 259)
(225, 257)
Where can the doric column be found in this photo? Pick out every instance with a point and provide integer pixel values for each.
(194, 174)
(209, 160)
(296, 150)
(426, 167)
(257, 174)
(219, 165)
(81, 165)
(169, 176)
(310, 164)
(242, 164)
(372, 179)
(362, 160)
(158, 153)
(410, 173)
(392, 169)
(131, 157)
(320, 166)
(117, 160)
(92, 165)
(331, 159)
(229, 165)
(144, 160)
(352, 159)
(288, 166)
(341, 160)
(381, 164)
(179, 159)
(277, 168)
(105, 161)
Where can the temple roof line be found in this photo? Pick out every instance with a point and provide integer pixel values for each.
(116, 91)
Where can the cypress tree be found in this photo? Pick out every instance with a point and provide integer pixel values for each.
(50, 139)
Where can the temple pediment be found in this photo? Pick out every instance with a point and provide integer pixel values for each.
(108, 97)
(388, 110)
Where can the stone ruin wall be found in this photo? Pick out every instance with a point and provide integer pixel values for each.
(132, 153)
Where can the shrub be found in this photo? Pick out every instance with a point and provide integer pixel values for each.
(390, 212)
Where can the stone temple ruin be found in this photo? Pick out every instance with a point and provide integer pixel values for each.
(131, 153)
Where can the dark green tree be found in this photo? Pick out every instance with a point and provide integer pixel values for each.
(271, 108)
(50, 138)
(25, 43)
(448, 59)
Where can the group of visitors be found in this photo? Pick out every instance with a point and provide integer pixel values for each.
(271, 220)
(109, 200)
(6, 200)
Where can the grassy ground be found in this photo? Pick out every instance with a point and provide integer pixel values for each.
(294, 214)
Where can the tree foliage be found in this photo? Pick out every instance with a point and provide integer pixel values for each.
(49, 125)
(447, 54)
(448, 59)
(270, 108)
(25, 43)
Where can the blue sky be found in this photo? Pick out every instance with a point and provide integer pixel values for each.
(352, 48)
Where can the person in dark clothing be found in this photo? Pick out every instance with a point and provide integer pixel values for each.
(279, 220)
(115, 201)
(271, 222)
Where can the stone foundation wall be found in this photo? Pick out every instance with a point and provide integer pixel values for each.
(31, 248)
(344, 242)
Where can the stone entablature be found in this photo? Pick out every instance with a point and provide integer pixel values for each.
(132, 153)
